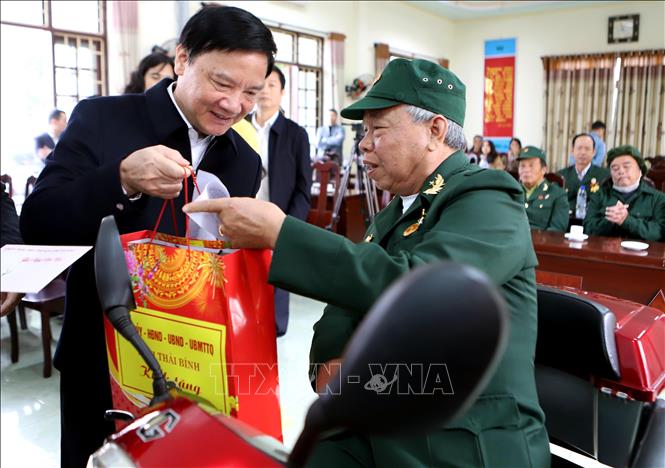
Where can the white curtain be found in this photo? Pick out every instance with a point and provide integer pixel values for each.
(122, 42)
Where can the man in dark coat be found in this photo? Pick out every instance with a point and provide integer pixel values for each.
(287, 165)
(124, 155)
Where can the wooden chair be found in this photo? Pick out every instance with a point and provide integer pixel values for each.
(30, 185)
(657, 175)
(49, 302)
(321, 214)
(656, 161)
(556, 179)
(7, 180)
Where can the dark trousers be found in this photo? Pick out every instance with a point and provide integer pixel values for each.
(85, 394)
(281, 311)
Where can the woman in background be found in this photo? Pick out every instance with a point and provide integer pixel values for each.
(514, 150)
(152, 69)
(487, 151)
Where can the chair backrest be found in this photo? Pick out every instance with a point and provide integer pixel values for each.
(576, 335)
(657, 175)
(7, 180)
(321, 214)
(556, 179)
(30, 185)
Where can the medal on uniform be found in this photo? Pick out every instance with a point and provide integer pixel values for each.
(415, 226)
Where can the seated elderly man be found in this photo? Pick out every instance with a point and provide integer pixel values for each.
(625, 206)
(444, 208)
(583, 172)
(546, 204)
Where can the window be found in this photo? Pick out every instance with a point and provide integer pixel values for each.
(300, 57)
(53, 55)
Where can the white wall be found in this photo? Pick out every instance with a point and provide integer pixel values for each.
(403, 26)
(561, 32)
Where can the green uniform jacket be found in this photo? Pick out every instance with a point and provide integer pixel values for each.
(476, 218)
(547, 208)
(573, 182)
(646, 214)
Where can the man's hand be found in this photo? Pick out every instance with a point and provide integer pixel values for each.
(617, 214)
(9, 302)
(247, 222)
(155, 170)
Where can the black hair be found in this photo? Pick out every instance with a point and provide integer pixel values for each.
(515, 139)
(492, 150)
(593, 142)
(335, 111)
(227, 29)
(282, 78)
(598, 124)
(137, 78)
(55, 114)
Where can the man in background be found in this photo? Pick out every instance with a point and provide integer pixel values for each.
(329, 140)
(597, 133)
(287, 181)
(582, 171)
(45, 142)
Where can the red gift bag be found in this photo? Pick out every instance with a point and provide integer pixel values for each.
(210, 321)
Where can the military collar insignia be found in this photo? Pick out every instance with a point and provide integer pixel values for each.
(545, 187)
(435, 185)
(369, 238)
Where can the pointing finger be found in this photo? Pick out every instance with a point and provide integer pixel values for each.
(206, 206)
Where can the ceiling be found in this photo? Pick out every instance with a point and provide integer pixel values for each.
(470, 10)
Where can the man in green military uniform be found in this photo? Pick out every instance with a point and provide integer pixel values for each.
(445, 208)
(583, 172)
(625, 206)
(546, 204)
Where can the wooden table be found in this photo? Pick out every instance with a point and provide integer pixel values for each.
(602, 265)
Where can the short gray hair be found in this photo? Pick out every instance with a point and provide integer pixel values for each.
(454, 136)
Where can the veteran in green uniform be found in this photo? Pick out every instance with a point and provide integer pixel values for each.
(583, 172)
(546, 204)
(445, 208)
(625, 206)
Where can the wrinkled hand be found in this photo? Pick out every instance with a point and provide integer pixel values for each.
(155, 170)
(247, 222)
(617, 214)
(9, 302)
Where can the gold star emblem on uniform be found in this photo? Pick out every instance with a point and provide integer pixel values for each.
(415, 226)
(369, 238)
(435, 185)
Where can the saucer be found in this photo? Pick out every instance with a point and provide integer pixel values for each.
(633, 245)
(572, 237)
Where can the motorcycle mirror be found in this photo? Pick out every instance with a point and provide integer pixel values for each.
(421, 356)
(114, 289)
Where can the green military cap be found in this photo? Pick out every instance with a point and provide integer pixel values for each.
(627, 150)
(420, 83)
(529, 152)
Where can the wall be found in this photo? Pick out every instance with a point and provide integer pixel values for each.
(568, 31)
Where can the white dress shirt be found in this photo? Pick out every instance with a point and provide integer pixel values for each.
(197, 143)
(264, 139)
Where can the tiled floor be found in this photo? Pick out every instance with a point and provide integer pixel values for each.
(30, 422)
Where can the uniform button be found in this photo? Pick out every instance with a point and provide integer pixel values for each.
(526, 205)
(120, 206)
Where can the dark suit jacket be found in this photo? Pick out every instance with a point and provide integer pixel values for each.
(44, 140)
(80, 184)
(289, 167)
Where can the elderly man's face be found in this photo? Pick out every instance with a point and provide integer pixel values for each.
(625, 171)
(216, 89)
(583, 151)
(394, 148)
(531, 171)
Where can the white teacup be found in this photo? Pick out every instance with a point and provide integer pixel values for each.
(576, 231)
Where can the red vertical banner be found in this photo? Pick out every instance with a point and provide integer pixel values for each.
(499, 94)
